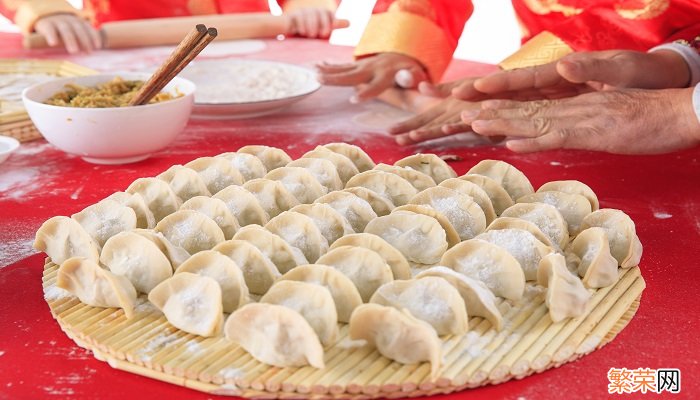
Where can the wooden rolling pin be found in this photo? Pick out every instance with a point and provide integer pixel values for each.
(167, 31)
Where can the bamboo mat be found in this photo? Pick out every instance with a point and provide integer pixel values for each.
(148, 345)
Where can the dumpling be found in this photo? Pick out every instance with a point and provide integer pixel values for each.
(345, 167)
(299, 231)
(186, 183)
(498, 195)
(313, 302)
(397, 335)
(281, 253)
(159, 197)
(191, 303)
(429, 164)
(275, 335)
(216, 173)
(512, 179)
(461, 210)
(431, 299)
(357, 211)
(546, 217)
(596, 266)
(243, 205)
(323, 170)
(138, 259)
(247, 164)
(175, 254)
(489, 264)
(450, 231)
(96, 286)
(396, 261)
(345, 295)
(572, 187)
(418, 179)
(365, 268)
(191, 230)
(272, 195)
(329, 221)
(362, 161)
(478, 299)
(301, 183)
(222, 269)
(622, 235)
(105, 219)
(390, 186)
(522, 245)
(566, 296)
(144, 216)
(381, 205)
(573, 207)
(474, 191)
(419, 238)
(62, 238)
(216, 210)
(501, 223)
(271, 157)
(258, 271)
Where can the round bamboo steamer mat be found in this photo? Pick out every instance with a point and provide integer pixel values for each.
(530, 342)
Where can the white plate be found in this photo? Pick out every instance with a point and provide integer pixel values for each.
(7, 146)
(236, 89)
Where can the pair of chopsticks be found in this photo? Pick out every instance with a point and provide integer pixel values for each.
(186, 51)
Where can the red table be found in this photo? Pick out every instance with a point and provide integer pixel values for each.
(660, 193)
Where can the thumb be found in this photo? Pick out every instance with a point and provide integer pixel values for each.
(588, 67)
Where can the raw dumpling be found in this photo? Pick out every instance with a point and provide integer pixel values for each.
(281, 253)
(399, 266)
(418, 179)
(210, 263)
(105, 219)
(365, 268)
(498, 195)
(345, 295)
(301, 183)
(429, 164)
(357, 211)
(566, 296)
(275, 335)
(431, 299)
(144, 216)
(258, 271)
(622, 235)
(191, 303)
(345, 167)
(175, 254)
(186, 183)
(597, 267)
(323, 170)
(62, 238)
(512, 179)
(362, 161)
(243, 205)
(159, 197)
(474, 191)
(572, 187)
(191, 230)
(216, 210)
(271, 157)
(461, 210)
(419, 238)
(272, 195)
(216, 173)
(522, 245)
(501, 223)
(299, 231)
(313, 302)
(546, 217)
(390, 186)
(96, 286)
(381, 205)
(573, 207)
(330, 222)
(247, 164)
(452, 235)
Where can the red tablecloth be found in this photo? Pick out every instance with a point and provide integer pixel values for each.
(660, 193)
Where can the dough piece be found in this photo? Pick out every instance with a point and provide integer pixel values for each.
(345, 167)
(185, 183)
(313, 302)
(191, 303)
(596, 266)
(299, 182)
(501, 223)
(573, 207)
(272, 195)
(138, 259)
(157, 194)
(397, 335)
(572, 187)
(381, 205)
(474, 191)
(105, 219)
(419, 238)
(357, 211)
(271, 157)
(330, 222)
(431, 299)
(546, 217)
(418, 179)
(62, 238)
(489, 264)
(96, 286)
(362, 161)
(365, 268)
(258, 271)
(275, 335)
(461, 210)
(390, 186)
(299, 231)
(247, 164)
(622, 236)
(216, 210)
(243, 205)
(452, 235)
(216, 173)
(144, 216)
(429, 164)
(345, 295)
(522, 245)
(222, 269)
(191, 230)
(566, 297)
(498, 195)
(478, 299)
(281, 253)
(323, 170)
(512, 179)
(175, 254)
(400, 268)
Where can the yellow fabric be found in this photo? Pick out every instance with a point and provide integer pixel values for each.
(409, 34)
(293, 5)
(30, 11)
(541, 49)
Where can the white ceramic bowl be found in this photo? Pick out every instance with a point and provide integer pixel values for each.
(116, 135)
(7, 146)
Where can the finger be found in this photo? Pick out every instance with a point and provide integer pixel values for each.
(515, 127)
(326, 23)
(68, 37)
(300, 25)
(414, 122)
(379, 83)
(404, 140)
(82, 32)
(467, 91)
(312, 24)
(48, 30)
(427, 134)
(455, 127)
(350, 78)
(518, 79)
(554, 140)
(326, 66)
(432, 90)
(586, 67)
(94, 35)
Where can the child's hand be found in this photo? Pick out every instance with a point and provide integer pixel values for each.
(312, 22)
(74, 32)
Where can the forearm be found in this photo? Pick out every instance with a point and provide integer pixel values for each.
(29, 11)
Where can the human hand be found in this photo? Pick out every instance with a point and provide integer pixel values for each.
(74, 32)
(312, 22)
(441, 120)
(620, 121)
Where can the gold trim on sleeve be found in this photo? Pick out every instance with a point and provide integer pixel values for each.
(30, 11)
(545, 47)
